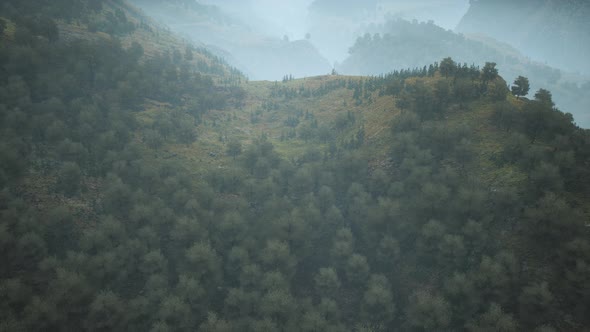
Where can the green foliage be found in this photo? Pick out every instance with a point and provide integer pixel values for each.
(495, 319)
(203, 262)
(234, 148)
(69, 178)
(107, 313)
(521, 86)
(544, 97)
(439, 220)
(427, 312)
(357, 269)
(447, 67)
(327, 282)
(12, 163)
(535, 304)
(378, 306)
(489, 72)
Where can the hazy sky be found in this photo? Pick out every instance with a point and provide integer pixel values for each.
(287, 15)
(333, 35)
(277, 17)
(291, 16)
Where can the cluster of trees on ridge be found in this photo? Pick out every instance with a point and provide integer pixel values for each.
(400, 44)
(329, 243)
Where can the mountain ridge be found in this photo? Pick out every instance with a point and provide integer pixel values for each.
(551, 30)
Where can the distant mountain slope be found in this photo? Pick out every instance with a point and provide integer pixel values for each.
(155, 38)
(551, 30)
(334, 25)
(255, 52)
(402, 44)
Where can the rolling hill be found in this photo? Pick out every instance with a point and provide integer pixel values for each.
(400, 44)
(139, 193)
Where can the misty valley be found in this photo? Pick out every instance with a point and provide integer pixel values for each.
(324, 165)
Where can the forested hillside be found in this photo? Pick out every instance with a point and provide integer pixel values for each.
(401, 44)
(139, 194)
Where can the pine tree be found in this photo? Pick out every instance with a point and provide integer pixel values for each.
(521, 87)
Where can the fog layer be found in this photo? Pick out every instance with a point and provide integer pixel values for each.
(556, 32)
(335, 25)
(254, 41)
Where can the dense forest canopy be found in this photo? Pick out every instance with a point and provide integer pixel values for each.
(141, 190)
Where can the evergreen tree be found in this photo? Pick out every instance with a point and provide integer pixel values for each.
(521, 86)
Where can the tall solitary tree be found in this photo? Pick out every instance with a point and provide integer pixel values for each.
(447, 67)
(521, 87)
(544, 97)
(488, 74)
